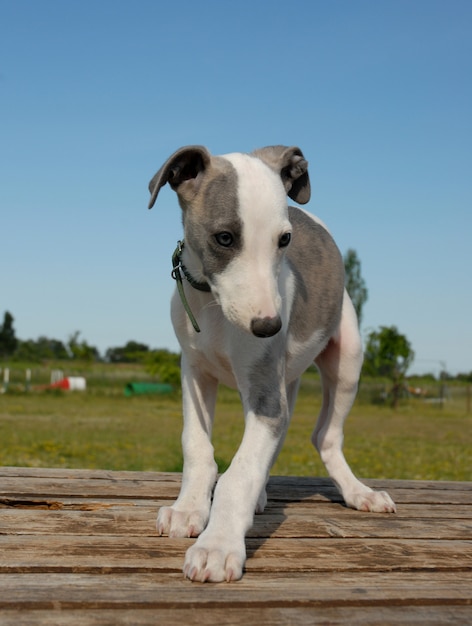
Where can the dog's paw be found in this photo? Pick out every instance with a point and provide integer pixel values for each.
(214, 561)
(371, 501)
(176, 523)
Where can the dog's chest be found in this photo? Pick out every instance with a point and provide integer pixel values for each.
(215, 363)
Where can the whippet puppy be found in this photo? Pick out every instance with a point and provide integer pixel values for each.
(262, 298)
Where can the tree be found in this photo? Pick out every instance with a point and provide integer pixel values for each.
(388, 353)
(464, 377)
(82, 350)
(132, 352)
(355, 284)
(165, 365)
(8, 340)
(41, 349)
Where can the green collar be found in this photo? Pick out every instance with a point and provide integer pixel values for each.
(177, 268)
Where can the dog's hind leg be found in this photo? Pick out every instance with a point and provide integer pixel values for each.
(339, 365)
(188, 516)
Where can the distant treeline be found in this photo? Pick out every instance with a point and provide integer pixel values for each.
(387, 352)
(162, 363)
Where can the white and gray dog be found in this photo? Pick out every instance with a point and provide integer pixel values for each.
(265, 284)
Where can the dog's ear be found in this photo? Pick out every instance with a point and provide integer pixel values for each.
(183, 167)
(292, 167)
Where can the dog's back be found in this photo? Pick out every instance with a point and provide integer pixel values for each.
(318, 271)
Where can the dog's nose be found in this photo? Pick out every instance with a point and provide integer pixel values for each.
(266, 326)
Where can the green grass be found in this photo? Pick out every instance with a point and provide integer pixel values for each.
(103, 429)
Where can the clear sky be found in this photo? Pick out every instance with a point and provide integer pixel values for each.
(95, 95)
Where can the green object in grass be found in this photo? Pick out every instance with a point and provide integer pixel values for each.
(139, 389)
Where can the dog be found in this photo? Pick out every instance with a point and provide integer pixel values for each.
(262, 298)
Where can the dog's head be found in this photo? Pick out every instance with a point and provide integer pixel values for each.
(236, 225)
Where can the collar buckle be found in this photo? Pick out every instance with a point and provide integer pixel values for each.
(178, 268)
(177, 261)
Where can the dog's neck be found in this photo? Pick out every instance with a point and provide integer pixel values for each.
(178, 268)
(178, 265)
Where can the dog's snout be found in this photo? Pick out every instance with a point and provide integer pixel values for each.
(266, 326)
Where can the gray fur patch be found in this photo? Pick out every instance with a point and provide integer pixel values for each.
(319, 274)
(265, 396)
(214, 209)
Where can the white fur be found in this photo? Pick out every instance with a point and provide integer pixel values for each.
(257, 283)
(263, 210)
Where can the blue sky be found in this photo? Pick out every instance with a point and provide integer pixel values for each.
(95, 95)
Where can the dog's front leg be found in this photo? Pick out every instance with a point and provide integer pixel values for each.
(220, 552)
(188, 516)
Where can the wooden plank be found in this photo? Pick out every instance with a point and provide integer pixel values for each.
(101, 518)
(166, 590)
(348, 555)
(318, 490)
(84, 488)
(77, 503)
(359, 526)
(294, 482)
(24, 553)
(335, 599)
(308, 509)
(404, 511)
(262, 616)
(62, 475)
(89, 474)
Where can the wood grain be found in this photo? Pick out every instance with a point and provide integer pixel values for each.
(80, 547)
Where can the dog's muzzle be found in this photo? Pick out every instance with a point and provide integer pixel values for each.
(266, 326)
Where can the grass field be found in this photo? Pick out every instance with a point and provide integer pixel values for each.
(102, 428)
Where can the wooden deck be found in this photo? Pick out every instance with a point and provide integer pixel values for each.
(79, 547)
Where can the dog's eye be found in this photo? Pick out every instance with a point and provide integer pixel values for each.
(285, 240)
(224, 239)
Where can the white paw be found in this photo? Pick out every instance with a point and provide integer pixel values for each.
(175, 523)
(210, 560)
(369, 500)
